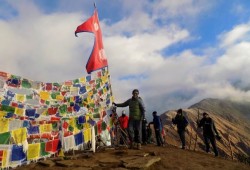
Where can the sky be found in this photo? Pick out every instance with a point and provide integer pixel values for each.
(175, 52)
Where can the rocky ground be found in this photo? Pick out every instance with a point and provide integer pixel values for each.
(150, 157)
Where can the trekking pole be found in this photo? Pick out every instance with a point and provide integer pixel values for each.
(231, 151)
(190, 139)
(196, 136)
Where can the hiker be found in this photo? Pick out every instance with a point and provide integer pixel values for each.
(158, 128)
(210, 132)
(123, 121)
(181, 121)
(113, 122)
(136, 115)
(144, 131)
(149, 133)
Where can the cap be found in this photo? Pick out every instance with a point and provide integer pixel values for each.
(123, 112)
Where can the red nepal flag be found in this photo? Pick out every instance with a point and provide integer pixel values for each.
(97, 59)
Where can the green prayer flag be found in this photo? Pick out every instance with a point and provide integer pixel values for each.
(26, 83)
(8, 108)
(5, 138)
(76, 81)
(42, 150)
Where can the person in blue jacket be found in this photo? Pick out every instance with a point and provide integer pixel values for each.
(158, 128)
(181, 121)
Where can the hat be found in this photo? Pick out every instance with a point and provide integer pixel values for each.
(204, 114)
(123, 112)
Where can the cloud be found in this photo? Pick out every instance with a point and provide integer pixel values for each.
(42, 47)
(237, 34)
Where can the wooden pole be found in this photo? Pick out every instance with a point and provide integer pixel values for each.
(230, 147)
(190, 138)
(196, 136)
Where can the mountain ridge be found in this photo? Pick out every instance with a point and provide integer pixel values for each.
(231, 118)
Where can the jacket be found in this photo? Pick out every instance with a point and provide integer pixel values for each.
(208, 126)
(136, 108)
(157, 122)
(181, 122)
(123, 122)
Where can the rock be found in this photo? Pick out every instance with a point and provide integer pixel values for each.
(48, 163)
(65, 163)
(153, 153)
(109, 162)
(142, 154)
(141, 162)
(79, 156)
(121, 152)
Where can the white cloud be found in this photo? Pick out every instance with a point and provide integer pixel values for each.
(239, 33)
(43, 47)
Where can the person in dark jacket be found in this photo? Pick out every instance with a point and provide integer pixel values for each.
(136, 115)
(210, 132)
(158, 128)
(181, 121)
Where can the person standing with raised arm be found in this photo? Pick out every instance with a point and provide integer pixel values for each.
(136, 115)
(210, 132)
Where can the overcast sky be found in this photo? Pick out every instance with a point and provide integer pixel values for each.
(176, 52)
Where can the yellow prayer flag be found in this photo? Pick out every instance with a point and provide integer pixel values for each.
(3, 113)
(90, 93)
(71, 99)
(104, 90)
(33, 152)
(104, 79)
(20, 97)
(87, 134)
(112, 99)
(44, 95)
(82, 80)
(4, 125)
(19, 111)
(19, 135)
(45, 128)
(88, 87)
(60, 97)
(5, 158)
(72, 122)
(73, 89)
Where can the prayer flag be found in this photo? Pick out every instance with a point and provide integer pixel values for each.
(5, 138)
(33, 152)
(97, 59)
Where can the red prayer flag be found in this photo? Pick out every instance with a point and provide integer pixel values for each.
(97, 59)
(51, 146)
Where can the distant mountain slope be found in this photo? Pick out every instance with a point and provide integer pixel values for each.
(225, 107)
(231, 119)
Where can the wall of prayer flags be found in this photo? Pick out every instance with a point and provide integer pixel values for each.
(39, 119)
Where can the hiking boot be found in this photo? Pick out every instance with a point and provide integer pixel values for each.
(139, 146)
